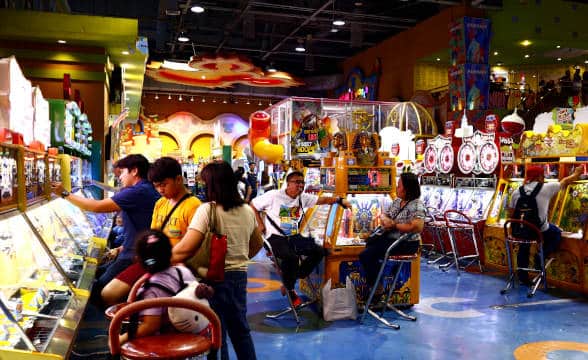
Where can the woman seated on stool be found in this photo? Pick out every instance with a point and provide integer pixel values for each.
(405, 214)
(153, 250)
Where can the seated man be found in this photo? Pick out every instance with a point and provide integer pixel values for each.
(534, 177)
(284, 210)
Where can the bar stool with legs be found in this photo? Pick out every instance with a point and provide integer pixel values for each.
(535, 238)
(167, 345)
(436, 228)
(291, 308)
(394, 271)
(460, 226)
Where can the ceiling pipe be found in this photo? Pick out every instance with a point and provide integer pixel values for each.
(293, 32)
(231, 27)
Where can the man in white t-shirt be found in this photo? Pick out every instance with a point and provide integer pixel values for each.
(285, 207)
(551, 233)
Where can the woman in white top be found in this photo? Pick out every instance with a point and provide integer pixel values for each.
(237, 220)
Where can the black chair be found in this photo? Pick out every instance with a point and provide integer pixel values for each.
(401, 261)
(535, 239)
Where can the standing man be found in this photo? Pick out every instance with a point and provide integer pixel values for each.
(166, 176)
(284, 208)
(252, 179)
(135, 201)
(534, 176)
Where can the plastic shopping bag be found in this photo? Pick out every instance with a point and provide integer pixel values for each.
(339, 303)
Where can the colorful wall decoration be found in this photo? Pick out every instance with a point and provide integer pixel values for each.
(217, 71)
(183, 133)
(358, 86)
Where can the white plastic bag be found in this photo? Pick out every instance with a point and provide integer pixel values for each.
(339, 303)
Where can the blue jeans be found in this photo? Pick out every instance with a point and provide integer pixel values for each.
(230, 304)
(551, 241)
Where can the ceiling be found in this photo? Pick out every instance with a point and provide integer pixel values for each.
(268, 31)
(555, 28)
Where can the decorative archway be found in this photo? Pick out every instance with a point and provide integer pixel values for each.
(201, 146)
(168, 143)
(239, 145)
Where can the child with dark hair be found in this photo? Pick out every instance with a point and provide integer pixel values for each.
(153, 252)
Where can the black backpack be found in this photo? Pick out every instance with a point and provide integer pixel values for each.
(526, 209)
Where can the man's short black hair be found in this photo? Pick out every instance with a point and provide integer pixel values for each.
(134, 161)
(294, 173)
(164, 168)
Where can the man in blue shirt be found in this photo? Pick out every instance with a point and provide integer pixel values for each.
(135, 201)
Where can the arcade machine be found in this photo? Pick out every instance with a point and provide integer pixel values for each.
(559, 152)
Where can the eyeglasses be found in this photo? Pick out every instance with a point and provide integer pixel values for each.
(297, 182)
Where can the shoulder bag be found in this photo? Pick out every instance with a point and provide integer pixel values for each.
(209, 260)
(300, 244)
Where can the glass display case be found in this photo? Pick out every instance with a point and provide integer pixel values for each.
(40, 308)
(66, 239)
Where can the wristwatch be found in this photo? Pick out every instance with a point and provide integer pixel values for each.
(64, 194)
(339, 201)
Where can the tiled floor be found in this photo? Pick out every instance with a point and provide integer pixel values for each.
(461, 317)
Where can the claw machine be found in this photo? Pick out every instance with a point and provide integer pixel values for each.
(41, 308)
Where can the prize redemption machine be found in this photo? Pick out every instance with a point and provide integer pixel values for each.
(370, 189)
(568, 209)
(459, 178)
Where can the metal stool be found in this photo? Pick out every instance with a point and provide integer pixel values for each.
(436, 228)
(291, 307)
(168, 345)
(509, 242)
(401, 261)
(459, 224)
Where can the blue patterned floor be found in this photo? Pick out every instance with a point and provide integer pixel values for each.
(461, 317)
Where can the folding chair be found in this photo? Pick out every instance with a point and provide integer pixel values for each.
(400, 261)
(510, 241)
(291, 307)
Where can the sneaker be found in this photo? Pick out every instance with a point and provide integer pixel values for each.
(296, 300)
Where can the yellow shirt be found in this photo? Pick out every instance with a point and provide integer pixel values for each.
(178, 222)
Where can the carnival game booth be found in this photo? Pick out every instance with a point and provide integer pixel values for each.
(559, 152)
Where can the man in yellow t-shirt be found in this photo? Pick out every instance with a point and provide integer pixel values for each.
(176, 205)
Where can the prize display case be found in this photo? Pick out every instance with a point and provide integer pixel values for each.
(9, 176)
(40, 307)
(36, 172)
(66, 239)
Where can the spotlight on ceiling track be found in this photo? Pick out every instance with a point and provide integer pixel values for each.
(197, 9)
